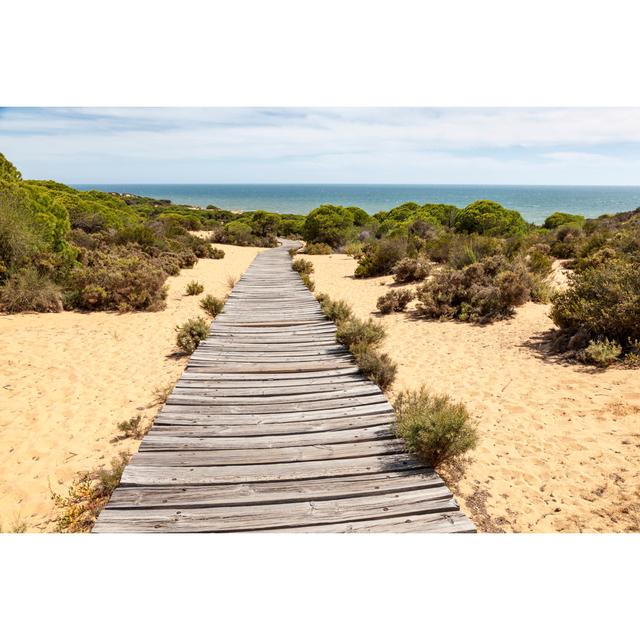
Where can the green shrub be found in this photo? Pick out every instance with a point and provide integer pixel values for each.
(239, 233)
(292, 251)
(602, 352)
(194, 288)
(119, 278)
(191, 333)
(394, 301)
(329, 224)
(380, 257)
(410, 270)
(302, 266)
(335, 310)
(539, 261)
(602, 302)
(130, 428)
(27, 290)
(317, 249)
(378, 367)
(216, 253)
(354, 249)
(354, 331)
(434, 428)
(212, 305)
(557, 219)
(490, 218)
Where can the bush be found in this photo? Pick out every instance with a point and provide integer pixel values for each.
(211, 305)
(335, 310)
(557, 219)
(329, 224)
(317, 249)
(380, 257)
(27, 290)
(194, 288)
(378, 367)
(118, 278)
(482, 292)
(603, 302)
(302, 266)
(410, 270)
(602, 352)
(191, 333)
(131, 428)
(354, 249)
(353, 331)
(394, 301)
(434, 428)
(292, 251)
(239, 233)
(490, 218)
(216, 253)
(539, 261)
(307, 281)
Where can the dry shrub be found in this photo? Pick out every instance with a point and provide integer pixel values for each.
(354, 249)
(194, 288)
(394, 301)
(87, 496)
(191, 333)
(376, 366)
(27, 290)
(434, 428)
(317, 249)
(212, 305)
(410, 270)
(216, 253)
(300, 265)
(335, 310)
(307, 281)
(354, 331)
(380, 257)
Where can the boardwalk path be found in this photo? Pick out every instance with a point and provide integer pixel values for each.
(272, 427)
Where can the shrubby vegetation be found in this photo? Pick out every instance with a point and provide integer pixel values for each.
(212, 305)
(396, 300)
(317, 248)
(191, 333)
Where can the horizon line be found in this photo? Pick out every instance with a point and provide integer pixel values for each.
(348, 184)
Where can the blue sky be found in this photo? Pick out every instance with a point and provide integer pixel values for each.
(321, 145)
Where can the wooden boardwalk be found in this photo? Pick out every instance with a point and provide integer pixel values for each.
(273, 428)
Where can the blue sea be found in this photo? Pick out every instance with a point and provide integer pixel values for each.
(534, 202)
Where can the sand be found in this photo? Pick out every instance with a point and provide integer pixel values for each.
(560, 443)
(67, 380)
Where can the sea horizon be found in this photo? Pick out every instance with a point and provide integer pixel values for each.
(534, 202)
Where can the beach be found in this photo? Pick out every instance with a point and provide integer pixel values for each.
(67, 379)
(559, 442)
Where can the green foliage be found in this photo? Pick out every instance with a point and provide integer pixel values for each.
(380, 257)
(490, 218)
(212, 305)
(131, 428)
(353, 331)
(557, 219)
(603, 302)
(602, 353)
(28, 290)
(307, 281)
(191, 333)
(394, 301)
(329, 224)
(354, 249)
(434, 428)
(194, 288)
(376, 366)
(216, 253)
(7, 171)
(239, 233)
(302, 266)
(317, 249)
(410, 270)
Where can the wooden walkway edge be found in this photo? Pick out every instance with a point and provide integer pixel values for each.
(273, 428)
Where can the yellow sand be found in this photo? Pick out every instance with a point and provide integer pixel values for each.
(67, 380)
(560, 443)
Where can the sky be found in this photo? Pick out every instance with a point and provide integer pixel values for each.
(575, 146)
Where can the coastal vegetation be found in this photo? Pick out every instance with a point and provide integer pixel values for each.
(191, 333)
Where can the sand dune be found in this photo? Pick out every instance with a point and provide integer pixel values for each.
(67, 379)
(560, 447)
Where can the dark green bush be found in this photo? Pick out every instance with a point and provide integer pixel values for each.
(434, 428)
(490, 218)
(410, 270)
(329, 224)
(378, 367)
(557, 219)
(394, 301)
(191, 333)
(354, 331)
(194, 288)
(212, 305)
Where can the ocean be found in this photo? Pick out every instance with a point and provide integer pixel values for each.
(535, 203)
